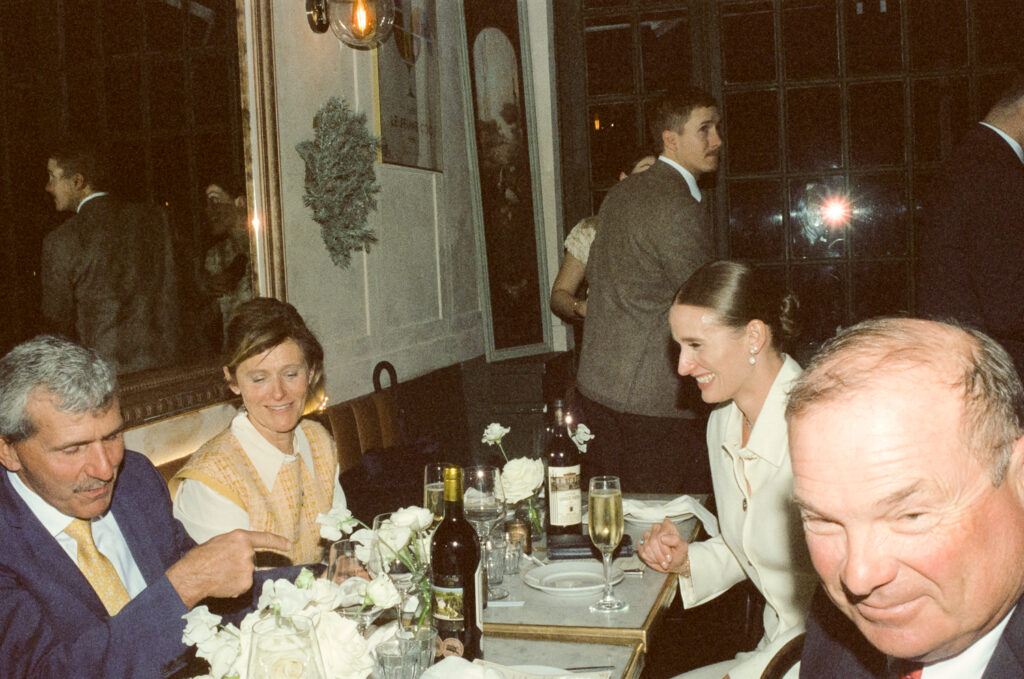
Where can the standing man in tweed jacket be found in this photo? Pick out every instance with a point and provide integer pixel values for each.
(653, 233)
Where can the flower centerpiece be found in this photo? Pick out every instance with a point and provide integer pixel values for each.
(345, 653)
(404, 537)
(522, 479)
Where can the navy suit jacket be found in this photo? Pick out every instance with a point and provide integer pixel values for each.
(834, 647)
(971, 241)
(52, 622)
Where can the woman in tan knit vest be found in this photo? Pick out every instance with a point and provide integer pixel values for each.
(271, 469)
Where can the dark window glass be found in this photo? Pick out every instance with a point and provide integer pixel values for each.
(748, 42)
(880, 289)
(121, 21)
(218, 159)
(213, 24)
(876, 123)
(941, 116)
(664, 50)
(878, 206)
(991, 86)
(81, 41)
(819, 287)
(809, 38)
(602, 3)
(938, 34)
(165, 25)
(818, 220)
(168, 100)
(173, 155)
(85, 105)
(130, 157)
(210, 78)
(873, 37)
(755, 219)
(998, 31)
(124, 87)
(609, 56)
(613, 141)
(752, 120)
(813, 132)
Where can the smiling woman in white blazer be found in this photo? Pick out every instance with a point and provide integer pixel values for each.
(730, 326)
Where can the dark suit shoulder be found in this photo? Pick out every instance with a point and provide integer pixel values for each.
(834, 647)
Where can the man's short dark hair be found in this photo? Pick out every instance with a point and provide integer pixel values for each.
(77, 156)
(672, 111)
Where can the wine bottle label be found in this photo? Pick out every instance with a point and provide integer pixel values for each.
(448, 601)
(564, 497)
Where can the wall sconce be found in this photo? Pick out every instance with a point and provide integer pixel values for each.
(363, 24)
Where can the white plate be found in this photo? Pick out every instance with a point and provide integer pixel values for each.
(539, 669)
(570, 578)
(636, 521)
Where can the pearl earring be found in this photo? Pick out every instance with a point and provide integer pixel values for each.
(752, 358)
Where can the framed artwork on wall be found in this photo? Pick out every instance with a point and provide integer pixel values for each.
(408, 88)
(502, 140)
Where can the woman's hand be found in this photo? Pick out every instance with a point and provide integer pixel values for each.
(663, 549)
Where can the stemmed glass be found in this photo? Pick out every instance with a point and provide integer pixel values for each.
(285, 647)
(483, 505)
(394, 546)
(604, 505)
(342, 564)
(433, 489)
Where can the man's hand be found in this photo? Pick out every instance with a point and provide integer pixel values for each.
(663, 549)
(221, 566)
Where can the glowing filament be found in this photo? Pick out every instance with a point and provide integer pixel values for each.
(362, 19)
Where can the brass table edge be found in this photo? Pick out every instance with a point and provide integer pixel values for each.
(617, 636)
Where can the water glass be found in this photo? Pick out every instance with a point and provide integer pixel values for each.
(513, 554)
(342, 562)
(424, 639)
(406, 656)
(494, 563)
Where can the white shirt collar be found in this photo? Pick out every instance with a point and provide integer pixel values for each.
(263, 454)
(1009, 140)
(54, 520)
(973, 660)
(691, 181)
(88, 198)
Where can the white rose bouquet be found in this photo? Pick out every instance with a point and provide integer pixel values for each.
(521, 477)
(345, 653)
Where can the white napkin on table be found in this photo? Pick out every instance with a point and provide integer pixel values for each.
(459, 668)
(655, 511)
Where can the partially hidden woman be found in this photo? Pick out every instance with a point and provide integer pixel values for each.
(730, 326)
(271, 469)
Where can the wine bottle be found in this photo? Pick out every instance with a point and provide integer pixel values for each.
(565, 511)
(456, 576)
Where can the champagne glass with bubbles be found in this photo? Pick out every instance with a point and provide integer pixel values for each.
(433, 489)
(604, 505)
(483, 505)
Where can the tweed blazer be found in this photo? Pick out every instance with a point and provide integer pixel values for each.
(109, 281)
(971, 241)
(651, 235)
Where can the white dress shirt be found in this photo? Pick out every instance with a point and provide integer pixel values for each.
(691, 181)
(206, 513)
(105, 533)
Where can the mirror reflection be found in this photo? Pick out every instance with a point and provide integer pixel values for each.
(145, 95)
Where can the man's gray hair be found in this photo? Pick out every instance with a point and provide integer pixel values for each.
(965, 360)
(80, 380)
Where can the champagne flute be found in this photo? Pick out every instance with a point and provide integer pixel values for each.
(604, 505)
(433, 489)
(483, 505)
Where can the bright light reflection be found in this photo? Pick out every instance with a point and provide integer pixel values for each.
(836, 211)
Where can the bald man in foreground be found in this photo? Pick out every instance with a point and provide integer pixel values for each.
(908, 465)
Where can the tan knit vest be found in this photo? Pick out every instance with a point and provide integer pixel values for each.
(289, 508)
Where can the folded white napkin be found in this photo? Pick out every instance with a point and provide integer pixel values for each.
(655, 511)
(458, 668)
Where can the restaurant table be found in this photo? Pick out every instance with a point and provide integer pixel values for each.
(627, 661)
(546, 617)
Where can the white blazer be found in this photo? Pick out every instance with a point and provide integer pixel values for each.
(761, 537)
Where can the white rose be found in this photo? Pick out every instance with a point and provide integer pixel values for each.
(413, 518)
(581, 436)
(345, 652)
(522, 476)
(494, 433)
(382, 592)
(200, 624)
(335, 522)
(283, 597)
(352, 591)
(326, 595)
(393, 537)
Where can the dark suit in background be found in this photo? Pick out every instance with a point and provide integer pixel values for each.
(971, 242)
(54, 624)
(651, 235)
(109, 282)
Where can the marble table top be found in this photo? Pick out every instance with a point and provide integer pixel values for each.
(627, 661)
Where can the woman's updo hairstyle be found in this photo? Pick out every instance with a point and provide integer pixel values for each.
(739, 293)
(263, 323)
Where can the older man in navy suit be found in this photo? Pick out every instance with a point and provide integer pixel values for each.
(907, 446)
(971, 241)
(95, 573)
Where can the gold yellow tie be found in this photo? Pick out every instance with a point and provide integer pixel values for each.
(97, 568)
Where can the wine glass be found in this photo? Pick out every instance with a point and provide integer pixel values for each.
(285, 647)
(397, 558)
(342, 564)
(483, 505)
(433, 489)
(604, 505)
